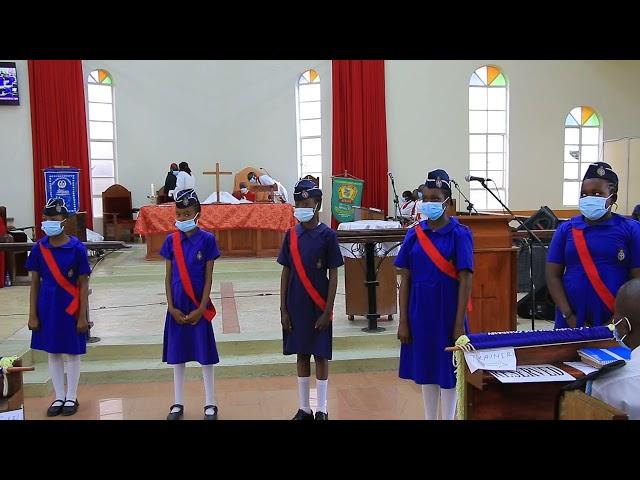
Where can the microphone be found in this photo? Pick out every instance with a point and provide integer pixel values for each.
(471, 178)
(390, 175)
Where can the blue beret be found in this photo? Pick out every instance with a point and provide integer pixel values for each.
(438, 179)
(601, 170)
(306, 189)
(55, 206)
(186, 198)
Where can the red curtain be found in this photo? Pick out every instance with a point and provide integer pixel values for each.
(58, 126)
(360, 127)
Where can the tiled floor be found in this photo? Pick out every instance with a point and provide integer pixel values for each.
(353, 396)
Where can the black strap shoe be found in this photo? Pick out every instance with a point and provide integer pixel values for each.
(214, 415)
(69, 410)
(55, 410)
(176, 415)
(302, 415)
(322, 416)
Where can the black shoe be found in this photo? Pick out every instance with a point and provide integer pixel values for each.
(177, 415)
(214, 415)
(322, 416)
(55, 410)
(69, 410)
(302, 415)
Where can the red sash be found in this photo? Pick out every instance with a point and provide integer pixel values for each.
(61, 280)
(320, 302)
(445, 266)
(210, 311)
(590, 269)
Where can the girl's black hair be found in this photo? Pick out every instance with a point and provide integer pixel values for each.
(184, 167)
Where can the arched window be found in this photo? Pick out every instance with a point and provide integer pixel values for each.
(309, 125)
(102, 138)
(488, 134)
(582, 128)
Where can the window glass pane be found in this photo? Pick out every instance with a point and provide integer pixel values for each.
(477, 143)
(571, 194)
(497, 122)
(583, 169)
(478, 198)
(571, 136)
(497, 177)
(478, 161)
(99, 185)
(571, 171)
(590, 136)
(496, 143)
(571, 153)
(310, 110)
(311, 146)
(100, 111)
(101, 130)
(311, 163)
(497, 99)
(308, 93)
(495, 161)
(477, 98)
(310, 128)
(101, 150)
(102, 168)
(589, 154)
(97, 206)
(99, 93)
(477, 122)
(492, 203)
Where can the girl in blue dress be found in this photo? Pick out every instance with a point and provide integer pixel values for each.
(436, 262)
(609, 244)
(58, 304)
(188, 333)
(309, 250)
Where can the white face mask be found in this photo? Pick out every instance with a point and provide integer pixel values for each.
(244, 190)
(304, 214)
(615, 331)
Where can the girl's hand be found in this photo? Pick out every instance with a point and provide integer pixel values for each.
(177, 315)
(194, 317)
(82, 326)
(323, 322)
(34, 323)
(285, 321)
(404, 332)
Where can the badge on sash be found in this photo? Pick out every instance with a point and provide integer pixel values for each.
(199, 255)
(70, 273)
(621, 255)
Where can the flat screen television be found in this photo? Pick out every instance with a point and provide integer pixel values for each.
(9, 84)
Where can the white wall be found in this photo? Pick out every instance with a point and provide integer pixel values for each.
(427, 118)
(16, 155)
(238, 113)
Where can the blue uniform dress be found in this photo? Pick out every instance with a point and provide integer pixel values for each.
(615, 248)
(320, 251)
(187, 343)
(57, 333)
(433, 302)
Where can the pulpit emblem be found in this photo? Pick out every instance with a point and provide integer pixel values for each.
(621, 255)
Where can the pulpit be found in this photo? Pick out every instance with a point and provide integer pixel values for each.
(262, 191)
(117, 216)
(163, 197)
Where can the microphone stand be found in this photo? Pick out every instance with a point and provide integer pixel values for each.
(533, 238)
(470, 206)
(396, 201)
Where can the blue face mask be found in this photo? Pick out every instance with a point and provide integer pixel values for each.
(304, 214)
(592, 207)
(186, 225)
(52, 228)
(175, 172)
(433, 210)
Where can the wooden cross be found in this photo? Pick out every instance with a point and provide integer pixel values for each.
(217, 173)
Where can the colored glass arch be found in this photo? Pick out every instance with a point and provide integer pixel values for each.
(582, 116)
(488, 76)
(100, 77)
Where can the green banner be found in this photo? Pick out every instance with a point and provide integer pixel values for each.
(346, 193)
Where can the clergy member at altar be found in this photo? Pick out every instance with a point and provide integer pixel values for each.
(185, 180)
(268, 181)
(244, 193)
(172, 178)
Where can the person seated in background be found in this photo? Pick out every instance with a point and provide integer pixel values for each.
(408, 207)
(170, 181)
(636, 213)
(244, 193)
(266, 180)
(417, 194)
(621, 388)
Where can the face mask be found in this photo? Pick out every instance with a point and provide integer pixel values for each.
(304, 214)
(244, 190)
(407, 200)
(253, 180)
(593, 208)
(52, 227)
(175, 172)
(615, 331)
(433, 210)
(186, 225)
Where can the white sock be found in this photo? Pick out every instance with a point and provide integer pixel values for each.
(56, 370)
(448, 399)
(303, 394)
(322, 386)
(209, 390)
(178, 385)
(73, 377)
(430, 397)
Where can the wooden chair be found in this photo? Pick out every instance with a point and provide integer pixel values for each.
(241, 176)
(315, 180)
(117, 212)
(15, 261)
(576, 405)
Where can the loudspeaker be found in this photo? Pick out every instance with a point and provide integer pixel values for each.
(543, 219)
(545, 308)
